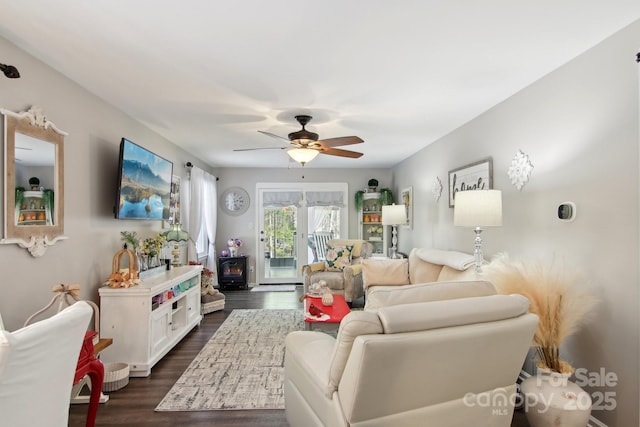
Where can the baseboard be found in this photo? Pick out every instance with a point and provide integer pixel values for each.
(593, 422)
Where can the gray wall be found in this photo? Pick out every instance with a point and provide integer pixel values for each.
(579, 125)
(91, 163)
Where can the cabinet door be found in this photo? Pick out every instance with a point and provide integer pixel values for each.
(160, 329)
(193, 305)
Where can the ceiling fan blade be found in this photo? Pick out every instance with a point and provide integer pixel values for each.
(343, 140)
(273, 135)
(341, 153)
(262, 148)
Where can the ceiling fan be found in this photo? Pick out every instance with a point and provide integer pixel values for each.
(306, 146)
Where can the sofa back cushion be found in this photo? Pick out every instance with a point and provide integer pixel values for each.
(383, 296)
(427, 265)
(383, 271)
(355, 244)
(449, 273)
(448, 313)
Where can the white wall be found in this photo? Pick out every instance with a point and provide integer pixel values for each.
(91, 162)
(579, 125)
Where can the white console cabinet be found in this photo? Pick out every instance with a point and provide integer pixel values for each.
(147, 320)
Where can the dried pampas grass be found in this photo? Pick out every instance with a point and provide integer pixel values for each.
(556, 295)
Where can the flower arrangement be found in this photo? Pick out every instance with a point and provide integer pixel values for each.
(234, 242)
(152, 245)
(554, 295)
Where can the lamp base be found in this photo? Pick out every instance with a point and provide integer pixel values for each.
(477, 252)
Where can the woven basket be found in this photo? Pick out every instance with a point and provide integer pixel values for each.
(116, 376)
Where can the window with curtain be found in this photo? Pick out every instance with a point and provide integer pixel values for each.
(203, 203)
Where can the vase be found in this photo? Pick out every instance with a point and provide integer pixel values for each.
(143, 261)
(233, 251)
(551, 400)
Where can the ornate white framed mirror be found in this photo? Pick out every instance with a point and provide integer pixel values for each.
(34, 181)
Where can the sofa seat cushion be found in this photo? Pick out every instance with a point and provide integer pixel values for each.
(382, 271)
(383, 296)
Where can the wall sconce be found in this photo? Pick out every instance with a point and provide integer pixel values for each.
(10, 71)
(394, 215)
(478, 208)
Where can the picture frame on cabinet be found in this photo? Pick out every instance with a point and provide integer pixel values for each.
(406, 198)
(474, 176)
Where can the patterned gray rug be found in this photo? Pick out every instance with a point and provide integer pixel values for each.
(241, 367)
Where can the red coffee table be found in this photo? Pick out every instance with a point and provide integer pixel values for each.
(336, 313)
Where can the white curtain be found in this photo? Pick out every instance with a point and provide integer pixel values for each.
(202, 213)
(210, 217)
(325, 198)
(275, 199)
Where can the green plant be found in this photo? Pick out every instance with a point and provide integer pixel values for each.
(19, 196)
(386, 196)
(359, 197)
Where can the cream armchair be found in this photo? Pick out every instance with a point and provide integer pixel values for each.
(450, 362)
(37, 367)
(347, 282)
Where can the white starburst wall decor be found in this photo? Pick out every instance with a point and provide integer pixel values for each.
(436, 189)
(520, 169)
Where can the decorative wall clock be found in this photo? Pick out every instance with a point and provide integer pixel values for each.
(234, 201)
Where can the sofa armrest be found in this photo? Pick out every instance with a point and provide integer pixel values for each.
(313, 267)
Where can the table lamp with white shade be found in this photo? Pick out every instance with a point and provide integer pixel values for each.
(394, 215)
(478, 209)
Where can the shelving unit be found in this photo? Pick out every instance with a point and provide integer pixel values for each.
(32, 210)
(146, 321)
(370, 224)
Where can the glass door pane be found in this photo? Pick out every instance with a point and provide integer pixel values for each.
(323, 225)
(279, 238)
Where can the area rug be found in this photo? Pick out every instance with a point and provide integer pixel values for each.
(274, 288)
(241, 367)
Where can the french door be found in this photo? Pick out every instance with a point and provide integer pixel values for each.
(289, 217)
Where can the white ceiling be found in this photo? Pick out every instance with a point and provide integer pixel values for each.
(209, 74)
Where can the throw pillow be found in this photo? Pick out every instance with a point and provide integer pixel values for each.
(338, 257)
(385, 272)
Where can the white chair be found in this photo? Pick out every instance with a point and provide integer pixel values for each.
(440, 363)
(320, 239)
(37, 367)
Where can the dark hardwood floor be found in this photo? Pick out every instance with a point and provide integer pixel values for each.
(134, 404)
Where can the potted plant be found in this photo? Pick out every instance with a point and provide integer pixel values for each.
(373, 185)
(563, 306)
(359, 197)
(386, 196)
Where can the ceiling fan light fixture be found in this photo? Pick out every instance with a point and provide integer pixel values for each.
(302, 155)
